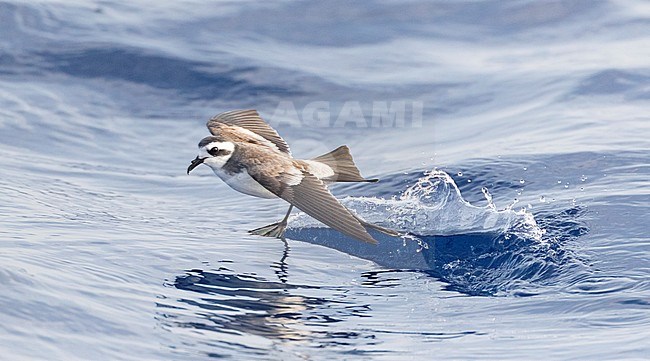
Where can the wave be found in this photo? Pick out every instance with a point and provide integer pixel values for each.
(476, 250)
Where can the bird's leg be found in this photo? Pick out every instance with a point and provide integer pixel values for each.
(273, 230)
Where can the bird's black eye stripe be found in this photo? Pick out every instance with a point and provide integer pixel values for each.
(213, 151)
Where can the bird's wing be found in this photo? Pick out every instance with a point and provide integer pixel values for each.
(250, 120)
(310, 195)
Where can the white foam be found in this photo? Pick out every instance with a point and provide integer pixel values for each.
(435, 206)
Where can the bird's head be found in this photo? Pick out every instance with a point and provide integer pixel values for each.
(213, 152)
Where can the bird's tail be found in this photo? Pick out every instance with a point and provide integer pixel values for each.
(341, 162)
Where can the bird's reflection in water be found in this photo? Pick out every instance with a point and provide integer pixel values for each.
(280, 267)
(244, 312)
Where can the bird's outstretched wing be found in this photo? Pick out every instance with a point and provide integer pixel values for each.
(310, 195)
(250, 120)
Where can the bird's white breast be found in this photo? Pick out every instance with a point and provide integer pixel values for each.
(244, 183)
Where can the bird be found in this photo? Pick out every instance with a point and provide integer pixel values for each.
(251, 157)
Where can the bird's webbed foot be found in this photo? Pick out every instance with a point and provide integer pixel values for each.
(275, 230)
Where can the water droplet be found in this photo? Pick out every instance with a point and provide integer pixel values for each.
(469, 181)
(460, 174)
(525, 168)
(566, 185)
(514, 201)
(582, 189)
(488, 197)
(542, 199)
(559, 182)
(583, 178)
(522, 181)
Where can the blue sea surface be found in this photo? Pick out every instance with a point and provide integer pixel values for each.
(519, 169)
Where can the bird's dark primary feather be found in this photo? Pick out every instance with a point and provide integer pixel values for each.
(311, 196)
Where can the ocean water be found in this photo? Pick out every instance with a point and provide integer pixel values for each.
(516, 158)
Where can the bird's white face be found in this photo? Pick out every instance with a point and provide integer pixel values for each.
(214, 155)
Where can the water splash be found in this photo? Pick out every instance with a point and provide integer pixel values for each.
(476, 250)
(435, 206)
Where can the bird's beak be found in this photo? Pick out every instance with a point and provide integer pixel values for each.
(195, 163)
